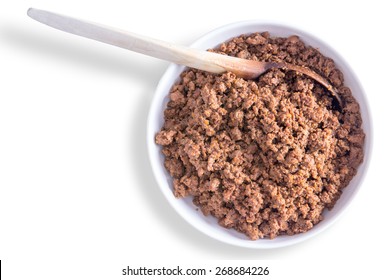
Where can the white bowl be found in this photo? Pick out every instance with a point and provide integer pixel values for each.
(184, 207)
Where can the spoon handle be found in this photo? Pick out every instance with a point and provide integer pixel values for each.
(199, 59)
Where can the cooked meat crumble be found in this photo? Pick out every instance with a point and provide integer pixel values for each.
(266, 157)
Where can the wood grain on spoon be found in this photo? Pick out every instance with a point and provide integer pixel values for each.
(199, 59)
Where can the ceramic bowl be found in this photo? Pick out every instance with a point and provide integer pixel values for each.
(185, 207)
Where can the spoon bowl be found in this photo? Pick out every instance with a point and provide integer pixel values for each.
(191, 57)
(184, 206)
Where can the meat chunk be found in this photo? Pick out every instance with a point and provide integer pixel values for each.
(265, 157)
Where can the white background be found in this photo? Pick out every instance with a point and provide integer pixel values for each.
(77, 196)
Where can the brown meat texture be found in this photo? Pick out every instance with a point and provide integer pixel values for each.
(266, 157)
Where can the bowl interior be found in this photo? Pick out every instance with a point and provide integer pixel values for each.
(184, 207)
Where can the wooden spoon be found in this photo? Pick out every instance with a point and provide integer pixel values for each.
(199, 59)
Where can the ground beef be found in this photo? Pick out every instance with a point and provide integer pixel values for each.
(266, 157)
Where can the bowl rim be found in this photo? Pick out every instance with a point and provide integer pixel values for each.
(280, 241)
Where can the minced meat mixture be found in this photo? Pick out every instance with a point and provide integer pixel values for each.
(265, 156)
